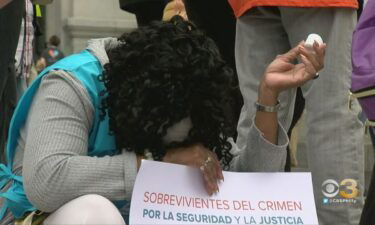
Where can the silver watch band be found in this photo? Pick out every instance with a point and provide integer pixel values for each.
(267, 108)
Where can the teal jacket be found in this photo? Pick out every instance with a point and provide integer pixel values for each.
(87, 69)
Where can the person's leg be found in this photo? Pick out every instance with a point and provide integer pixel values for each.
(260, 38)
(219, 23)
(372, 135)
(148, 11)
(87, 209)
(368, 217)
(335, 134)
(216, 18)
(145, 10)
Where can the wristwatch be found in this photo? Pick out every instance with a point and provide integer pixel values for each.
(267, 108)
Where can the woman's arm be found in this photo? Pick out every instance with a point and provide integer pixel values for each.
(282, 74)
(267, 140)
(56, 168)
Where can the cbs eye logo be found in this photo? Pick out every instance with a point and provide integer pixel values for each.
(347, 188)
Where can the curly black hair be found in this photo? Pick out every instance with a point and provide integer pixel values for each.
(161, 74)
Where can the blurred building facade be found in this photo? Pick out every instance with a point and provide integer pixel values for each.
(76, 21)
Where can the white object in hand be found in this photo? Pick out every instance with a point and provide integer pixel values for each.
(311, 39)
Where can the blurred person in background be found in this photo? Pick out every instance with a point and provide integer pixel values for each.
(363, 87)
(51, 54)
(16, 56)
(24, 54)
(11, 14)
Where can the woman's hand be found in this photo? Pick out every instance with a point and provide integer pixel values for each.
(199, 157)
(282, 74)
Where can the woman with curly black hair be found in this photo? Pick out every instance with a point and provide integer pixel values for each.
(163, 75)
(79, 133)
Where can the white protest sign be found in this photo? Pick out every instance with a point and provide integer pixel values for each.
(173, 194)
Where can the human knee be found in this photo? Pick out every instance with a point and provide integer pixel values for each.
(87, 209)
(98, 208)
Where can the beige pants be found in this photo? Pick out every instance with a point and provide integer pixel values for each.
(335, 134)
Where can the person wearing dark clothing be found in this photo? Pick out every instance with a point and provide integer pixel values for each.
(363, 87)
(52, 53)
(145, 11)
(368, 217)
(10, 24)
(220, 25)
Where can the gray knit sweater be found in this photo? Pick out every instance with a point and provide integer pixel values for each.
(52, 149)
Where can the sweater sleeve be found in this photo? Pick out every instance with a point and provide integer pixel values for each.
(260, 155)
(56, 168)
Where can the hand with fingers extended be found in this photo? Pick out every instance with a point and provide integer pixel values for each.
(200, 157)
(283, 74)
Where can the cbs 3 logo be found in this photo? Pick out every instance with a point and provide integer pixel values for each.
(346, 189)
